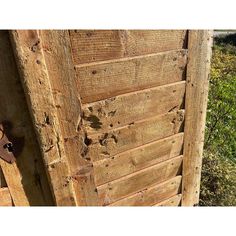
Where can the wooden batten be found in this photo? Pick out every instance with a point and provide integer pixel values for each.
(198, 68)
(57, 54)
(26, 178)
(27, 46)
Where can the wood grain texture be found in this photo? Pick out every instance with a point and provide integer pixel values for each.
(107, 120)
(35, 80)
(58, 58)
(99, 45)
(130, 184)
(5, 197)
(125, 109)
(152, 195)
(57, 53)
(108, 144)
(173, 201)
(26, 179)
(138, 158)
(98, 81)
(198, 69)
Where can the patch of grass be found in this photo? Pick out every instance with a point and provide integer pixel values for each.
(218, 185)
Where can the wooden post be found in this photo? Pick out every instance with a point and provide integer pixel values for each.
(26, 178)
(57, 53)
(27, 47)
(199, 51)
(49, 80)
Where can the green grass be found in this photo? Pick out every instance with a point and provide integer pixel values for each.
(218, 185)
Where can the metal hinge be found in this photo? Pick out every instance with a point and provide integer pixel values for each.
(6, 146)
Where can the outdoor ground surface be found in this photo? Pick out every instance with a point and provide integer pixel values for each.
(218, 185)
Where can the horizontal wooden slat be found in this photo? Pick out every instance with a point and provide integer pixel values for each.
(105, 145)
(99, 45)
(136, 159)
(124, 109)
(153, 194)
(98, 81)
(5, 197)
(130, 184)
(173, 201)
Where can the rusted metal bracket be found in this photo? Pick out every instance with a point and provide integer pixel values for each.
(6, 147)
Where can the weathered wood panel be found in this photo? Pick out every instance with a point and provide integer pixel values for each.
(107, 79)
(110, 124)
(125, 109)
(58, 58)
(26, 179)
(104, 145)
(5, 197)
(173, 201)
(130, 184)
(136, 159)
(152, 195)
(99, 45)
(196, 103)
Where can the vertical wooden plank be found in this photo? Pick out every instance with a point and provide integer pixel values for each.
(26, 178)
(29, 55)
(199, 46)
(57, 53)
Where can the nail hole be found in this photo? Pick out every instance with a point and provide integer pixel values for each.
(9, 147)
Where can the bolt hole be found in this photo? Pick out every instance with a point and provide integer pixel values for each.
(9, 147)
(87, 141)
